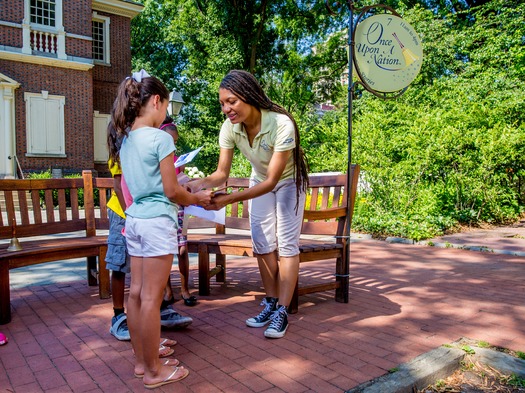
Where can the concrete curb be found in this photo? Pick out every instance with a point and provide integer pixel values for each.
(422, 371)
(436, 364)
(452, 245)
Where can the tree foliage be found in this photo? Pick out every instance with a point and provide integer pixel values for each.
(448, 151)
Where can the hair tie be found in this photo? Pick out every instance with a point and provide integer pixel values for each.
(138, 76)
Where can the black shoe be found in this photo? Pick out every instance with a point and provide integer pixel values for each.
(270, 304)
(278, 324)
(189, 301)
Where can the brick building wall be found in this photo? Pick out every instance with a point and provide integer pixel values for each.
(107, 79)
(84, 91)
(76, 87)
(77, 17)
(77, 20)
(10, 36)
(12, 10)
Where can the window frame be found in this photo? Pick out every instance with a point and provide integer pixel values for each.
(105, 20)
(35, 127)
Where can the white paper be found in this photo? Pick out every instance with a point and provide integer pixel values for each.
(218, 216)
(187, 157)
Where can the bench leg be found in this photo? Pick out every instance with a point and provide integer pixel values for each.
(5, 295)
(92, 271)
(104, 291)
(204, 270)
(220, 260)
(342, 269)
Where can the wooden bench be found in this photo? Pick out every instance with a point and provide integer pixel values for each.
(326, 213)
(36, 209)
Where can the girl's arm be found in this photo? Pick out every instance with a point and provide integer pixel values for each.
(117, 187)
(174, 191)
(275, 170)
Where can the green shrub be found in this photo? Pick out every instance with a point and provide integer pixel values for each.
(80, 191)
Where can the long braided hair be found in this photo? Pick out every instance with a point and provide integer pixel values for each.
(247, 88)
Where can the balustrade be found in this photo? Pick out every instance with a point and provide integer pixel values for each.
(43, 41)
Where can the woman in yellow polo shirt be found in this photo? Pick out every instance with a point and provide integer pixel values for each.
(267, 135)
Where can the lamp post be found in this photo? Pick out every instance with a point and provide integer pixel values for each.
(175, 104)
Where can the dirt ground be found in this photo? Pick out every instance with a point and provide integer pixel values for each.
(474, 377)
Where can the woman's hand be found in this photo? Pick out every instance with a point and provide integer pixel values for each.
(218, 201)
(204, 198)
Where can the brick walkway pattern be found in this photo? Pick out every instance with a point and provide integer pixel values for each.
(404, 300)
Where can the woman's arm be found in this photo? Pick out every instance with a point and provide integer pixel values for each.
(218, 177)
(174, 191)
(275, 170)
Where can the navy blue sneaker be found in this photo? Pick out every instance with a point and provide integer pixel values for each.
(278, 324)
(270, 304)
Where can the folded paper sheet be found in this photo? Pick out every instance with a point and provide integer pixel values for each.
(218, 216)
(186, 158)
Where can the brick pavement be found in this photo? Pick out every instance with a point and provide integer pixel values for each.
(404, 300)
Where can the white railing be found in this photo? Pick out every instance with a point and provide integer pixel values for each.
(44, 41)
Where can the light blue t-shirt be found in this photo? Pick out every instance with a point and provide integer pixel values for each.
(140, 156)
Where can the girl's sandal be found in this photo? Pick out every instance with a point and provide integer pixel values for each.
(167, 342)
(165, 351)
(167, 362)
(170, 379)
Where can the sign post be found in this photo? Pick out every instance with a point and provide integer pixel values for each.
(386, 53)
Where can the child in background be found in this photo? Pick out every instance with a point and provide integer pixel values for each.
(183, 257)
(146, 157)
(117, 258)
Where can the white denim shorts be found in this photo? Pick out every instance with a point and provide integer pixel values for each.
(274, 221)
(151, 237)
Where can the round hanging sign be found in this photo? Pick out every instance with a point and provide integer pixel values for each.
(388, 53)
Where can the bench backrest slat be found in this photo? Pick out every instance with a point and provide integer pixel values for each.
(104, 185)
(35, 201)
(24, 215)
(32, 204)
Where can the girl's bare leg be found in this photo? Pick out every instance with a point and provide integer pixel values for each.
(184, 269)
(146, 322)
(134, 305)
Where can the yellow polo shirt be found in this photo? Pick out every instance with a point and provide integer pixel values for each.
(277, 134)
(113, 202)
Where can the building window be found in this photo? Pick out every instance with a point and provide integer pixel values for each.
(100, 29)
(43, 12)
(45, 124)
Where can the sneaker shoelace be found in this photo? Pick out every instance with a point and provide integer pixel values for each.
(277, 319)
(267, 309)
